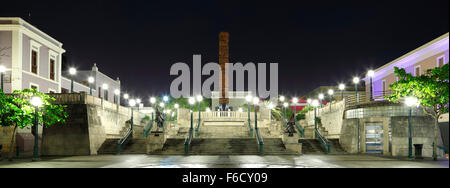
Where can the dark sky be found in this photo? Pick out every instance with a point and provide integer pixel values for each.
(315, 44)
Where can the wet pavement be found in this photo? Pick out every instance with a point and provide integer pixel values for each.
(229, 161)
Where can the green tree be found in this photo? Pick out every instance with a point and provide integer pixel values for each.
(18, 112)
(431, 89)
(184, 103)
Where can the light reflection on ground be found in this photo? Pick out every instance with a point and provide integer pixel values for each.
(231, 161)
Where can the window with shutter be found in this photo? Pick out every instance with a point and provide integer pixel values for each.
(52, 69)
(441, 62)
(34, 63)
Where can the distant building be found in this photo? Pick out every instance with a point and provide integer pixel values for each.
(348, 91)
(417, 62)
(81, 84)
(33, 60)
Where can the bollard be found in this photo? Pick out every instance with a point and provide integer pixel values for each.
(17, 151)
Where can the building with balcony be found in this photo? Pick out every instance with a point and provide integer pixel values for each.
(432, 54)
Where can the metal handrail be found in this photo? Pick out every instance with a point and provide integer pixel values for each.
(445, 149)
(250, 128)
(150, 126)
(197, 127)
(300, 129)
(259, 141)
(187, 142)
(123, 141)
(284, 122)
(323, 141)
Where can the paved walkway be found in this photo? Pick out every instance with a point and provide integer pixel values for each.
(285, 161)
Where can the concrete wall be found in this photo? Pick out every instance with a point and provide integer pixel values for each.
(397, 145)
(5, 138)
(423, 133)
(331, 118)
(87, 128)
(91, 120)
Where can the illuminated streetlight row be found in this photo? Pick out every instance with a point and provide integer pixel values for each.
(91, 80)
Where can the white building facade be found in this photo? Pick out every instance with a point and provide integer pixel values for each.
(33, 60)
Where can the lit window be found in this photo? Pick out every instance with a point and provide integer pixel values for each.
(34, 61)
(441, 62)
(52, 69)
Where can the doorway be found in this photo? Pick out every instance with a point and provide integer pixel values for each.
(374, 138)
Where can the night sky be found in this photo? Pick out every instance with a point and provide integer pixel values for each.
(315, 44)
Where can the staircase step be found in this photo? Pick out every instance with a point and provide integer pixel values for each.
(223, 146)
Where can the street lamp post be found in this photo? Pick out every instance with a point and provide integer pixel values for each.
(36, 101)
(91, 81)
(191, 102)
(321, 97)
(295, 101)
(342, 88)
(271, 106)
(72, 72)
(105, 91)
(132, 103)
(309, 101)
(153, 101)
(176, 111)
(255, 103)
(356, 81)
(199, 100)
(249, 99)
(126, 96)
(285, 110)
(315, 104)
(2, 72)
(165, 100)
(163, 106)
(330, 94)
(138, 103)
(117, 95)
(410, 102)
(282, 98)
(371, 73)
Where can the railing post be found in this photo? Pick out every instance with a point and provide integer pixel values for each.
(328, 147)
(261, 149)
(118, 147)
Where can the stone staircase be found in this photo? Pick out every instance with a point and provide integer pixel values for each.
(311, 146)
(134, 146)
(224, 146)
(214, 138)
(310, 133)
(336, 147)
(217, 129)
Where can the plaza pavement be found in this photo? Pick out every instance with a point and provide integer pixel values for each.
(231, 161)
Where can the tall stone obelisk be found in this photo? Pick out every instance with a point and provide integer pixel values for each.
(224, 38)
